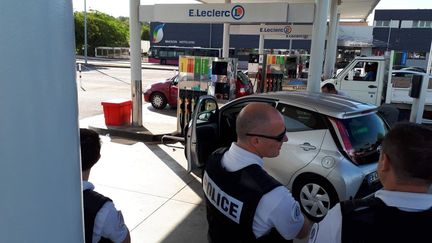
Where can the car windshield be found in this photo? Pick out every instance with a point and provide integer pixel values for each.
(175, 80)
(362, 136)
(243, 78)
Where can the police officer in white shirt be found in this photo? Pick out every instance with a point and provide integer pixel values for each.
(102, 221)
(402, 210)
(244, 203)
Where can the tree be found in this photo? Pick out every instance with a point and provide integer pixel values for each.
(102, 31)
(145, 32)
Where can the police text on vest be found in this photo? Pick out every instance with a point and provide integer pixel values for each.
(226, 204)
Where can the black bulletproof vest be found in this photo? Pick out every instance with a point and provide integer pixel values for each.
(93, 202)
(247, 185)
(371, 220)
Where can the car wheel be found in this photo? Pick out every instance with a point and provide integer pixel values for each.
(158, 100)
(316, 196)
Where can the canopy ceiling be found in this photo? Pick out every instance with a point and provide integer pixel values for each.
(349, 9)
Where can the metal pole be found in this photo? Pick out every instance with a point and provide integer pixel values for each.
(135, 60)
(261, 42)
(210, 39)
(429, 64)
(388, 36)
(317, 46)
(330, 57)
(40, 176)
(290, 43)
(226, 38)
(85, 32)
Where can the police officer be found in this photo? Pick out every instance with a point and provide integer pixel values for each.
(402, 210)
(244, 203)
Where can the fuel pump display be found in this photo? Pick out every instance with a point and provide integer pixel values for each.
(203, 76)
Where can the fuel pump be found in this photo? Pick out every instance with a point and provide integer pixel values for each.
(203, 76)
(275, 67)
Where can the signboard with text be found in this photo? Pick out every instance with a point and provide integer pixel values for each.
(227, 13)
(298, 32)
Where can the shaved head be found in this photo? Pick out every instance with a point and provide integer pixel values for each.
(257, 117)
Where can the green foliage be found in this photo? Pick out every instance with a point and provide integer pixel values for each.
(102, 31)
(145, 32)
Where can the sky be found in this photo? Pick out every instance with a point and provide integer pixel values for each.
(118, 8)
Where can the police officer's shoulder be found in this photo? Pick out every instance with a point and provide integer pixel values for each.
(359, 205)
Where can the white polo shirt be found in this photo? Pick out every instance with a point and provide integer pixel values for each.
(330, 228)
(109, 222)
(277, 208)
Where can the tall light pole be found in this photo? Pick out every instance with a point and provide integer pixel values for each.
(85, 32)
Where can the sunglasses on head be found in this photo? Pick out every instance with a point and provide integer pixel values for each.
(278, 138)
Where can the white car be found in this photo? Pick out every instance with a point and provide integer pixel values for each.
(331, 153)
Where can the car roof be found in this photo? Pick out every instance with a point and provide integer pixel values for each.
(328, 104)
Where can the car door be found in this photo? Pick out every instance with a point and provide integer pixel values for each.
(202, 136)
(173, 90)
(361, 82)
(305, 131)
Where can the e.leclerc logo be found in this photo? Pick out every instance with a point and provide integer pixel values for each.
(237, 12)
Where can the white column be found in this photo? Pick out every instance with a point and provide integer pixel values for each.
(85, 32)
(261, 42)
(226, 38)
(330, 57)
(417, 108)
(135, 60)
(40, 178)
(317, 46)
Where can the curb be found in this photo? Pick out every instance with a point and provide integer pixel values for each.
(139, 134)
(128, 66)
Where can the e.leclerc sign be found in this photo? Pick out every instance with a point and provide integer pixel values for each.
(237, 12)
(215, 13)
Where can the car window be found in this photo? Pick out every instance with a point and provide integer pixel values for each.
(228, 120)
(363, 71)
(298, 119)
(243, 78)
(175, 80)
(363, 135)
(207, 111)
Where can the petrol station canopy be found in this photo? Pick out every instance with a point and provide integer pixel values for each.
(349, 9)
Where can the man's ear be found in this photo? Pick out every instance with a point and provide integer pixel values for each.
(385, 162)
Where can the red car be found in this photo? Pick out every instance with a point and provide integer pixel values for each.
(162, 93)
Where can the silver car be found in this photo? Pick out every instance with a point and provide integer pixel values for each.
(331, 153)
